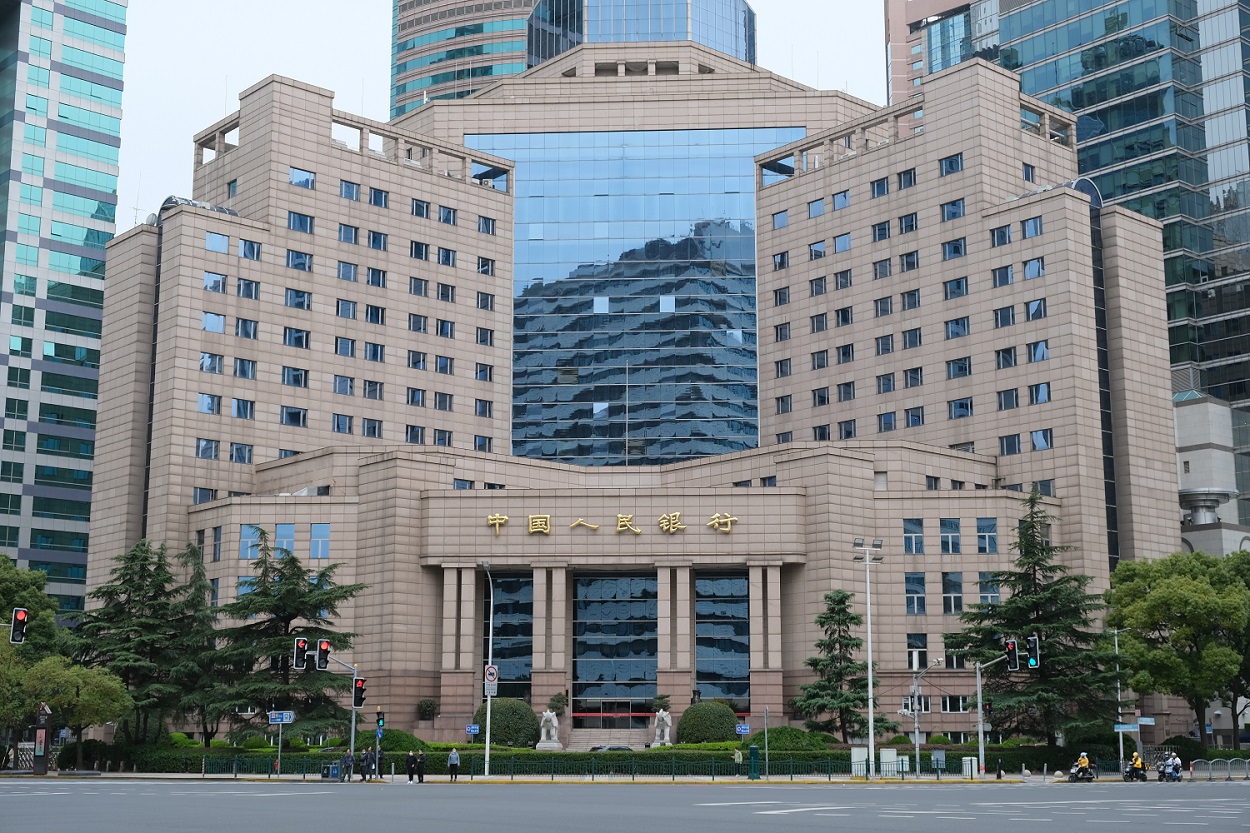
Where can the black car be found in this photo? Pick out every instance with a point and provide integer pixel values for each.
(611, 749)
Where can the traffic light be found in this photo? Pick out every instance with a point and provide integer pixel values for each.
(323, 654)
(1034, 647)
(300, 659)
(21, 618)
(987, 708)
(381, 719)
(358, 692)
(1013, 655)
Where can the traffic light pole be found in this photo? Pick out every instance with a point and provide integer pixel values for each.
(981, 712)
(355, 673)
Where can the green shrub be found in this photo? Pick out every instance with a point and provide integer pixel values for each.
(179, 740)
(427, 708)
(295, 744)
(332, 742)
(1188, 748)
(898, 739)
(92, 751)
(219, 744)
(787, 739)
(558, 703)
(512, 722)
(254, 742)
(938, 740)
(397, 740)
(706, 722)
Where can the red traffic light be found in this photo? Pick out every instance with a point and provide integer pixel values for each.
(299, 660)
(323, 654)
(1013, 655)
(358, 692)
(20, 615)
(17, 628)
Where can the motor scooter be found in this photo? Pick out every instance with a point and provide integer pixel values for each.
(1081, 773)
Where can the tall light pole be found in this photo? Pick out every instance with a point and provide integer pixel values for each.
(869, 559)
(915, 707)
(1115, 633)
(490, 658)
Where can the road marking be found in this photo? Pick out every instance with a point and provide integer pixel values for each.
(960, 818)
(1109, 821)
(801, 810)
(738, 803)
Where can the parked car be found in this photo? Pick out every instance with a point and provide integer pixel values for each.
(611, 749)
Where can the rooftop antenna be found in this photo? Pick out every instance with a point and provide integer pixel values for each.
(138, 188)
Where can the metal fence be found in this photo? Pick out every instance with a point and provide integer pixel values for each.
(1220, 769)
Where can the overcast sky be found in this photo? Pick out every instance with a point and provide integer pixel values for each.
(187, 62)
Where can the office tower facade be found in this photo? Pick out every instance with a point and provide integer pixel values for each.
(446, 49)
(634, 260)
(926, 36)
(699, 579)
(59, 139)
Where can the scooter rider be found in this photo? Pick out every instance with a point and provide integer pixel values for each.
(1082, 763)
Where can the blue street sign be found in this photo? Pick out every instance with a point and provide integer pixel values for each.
(379, 734)
(281, 717)
(471, 729)
(743, 728)
(1126, 727)
(1145, 721)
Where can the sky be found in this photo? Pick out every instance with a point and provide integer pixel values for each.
(186, 64)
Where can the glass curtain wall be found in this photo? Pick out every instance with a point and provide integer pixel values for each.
(635, 267)
(722, 630)
(514, 633)
(615, 644)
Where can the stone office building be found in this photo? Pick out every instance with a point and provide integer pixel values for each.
(698, 579)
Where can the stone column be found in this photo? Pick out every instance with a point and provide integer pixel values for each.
(541, 619)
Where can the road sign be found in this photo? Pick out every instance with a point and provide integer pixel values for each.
(492, 689)
(1145, 721)
(281, 717)
(471, 729)
(379, 734)
(1126, 727)
(743, 728)
(492, 673)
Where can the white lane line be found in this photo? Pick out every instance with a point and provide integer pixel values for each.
(960, 818)
(801, 810)
(738, 803)
(1109, 821)
(292, 794)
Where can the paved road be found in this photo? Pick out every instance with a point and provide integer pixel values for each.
(189, 806)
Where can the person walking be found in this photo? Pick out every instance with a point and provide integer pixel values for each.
(421, 767)
(368, 764)
(737, 762)
(453, 765)
(360, 764)
(411, 765)
(377, 764)
(346, 773)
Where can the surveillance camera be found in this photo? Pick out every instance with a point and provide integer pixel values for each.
(1218, 712)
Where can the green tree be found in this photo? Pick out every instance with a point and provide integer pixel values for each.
(78, 696)
(202, 676)
(836, 701)
(1188, 615)
(17, 702)
(133, 631)
(25, 588)
(1074, 687)
(285, 600)
(1238, 563)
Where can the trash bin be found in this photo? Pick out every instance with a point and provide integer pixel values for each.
(330, 771)
(970, 768)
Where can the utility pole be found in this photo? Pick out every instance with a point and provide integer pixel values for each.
(981, 712)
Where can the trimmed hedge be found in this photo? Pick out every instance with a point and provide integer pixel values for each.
(707, 722)
(512, 722)
(787, 739)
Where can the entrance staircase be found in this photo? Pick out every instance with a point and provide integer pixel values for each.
(581, 740)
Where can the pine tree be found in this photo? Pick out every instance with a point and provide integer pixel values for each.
(1074, 687)
(202, 676)
(286, 599)
(841, 687)
(133, 632)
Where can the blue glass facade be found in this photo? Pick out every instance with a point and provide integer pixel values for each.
(615, 650)
(556, 26)
(513, 648)
(949, 41)
(60, 119)
(635, 333)
(722, 630)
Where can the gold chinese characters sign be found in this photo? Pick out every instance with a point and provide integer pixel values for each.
(670, 523)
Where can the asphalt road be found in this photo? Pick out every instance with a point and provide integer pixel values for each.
(191, 806)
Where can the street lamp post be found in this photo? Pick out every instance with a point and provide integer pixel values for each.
(1116, 635)
(915, 707)
(869, 559)
(490, 659)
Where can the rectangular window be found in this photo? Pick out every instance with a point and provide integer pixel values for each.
(375, 352)
(301, 178)
(1008, 400)
(1043, 439)
(952, 164)
(908, 261)
(781, 219)
(841, 243)
(349, 190)
(781, 332)
(319, 541)
(820, 433)
(846, 391)
(987, 588)
(1035, 310)
(249, 250)
(421, 208)
(781, 296)
(1039, 351)
(243, 408)
(299, 222)
(913, 377)
(841, 200)
(371, 428)
(885, 344)
(784, 404)
(340, 423)
(485, 266)
(214, 242)
(373, 389)
(445, 328)
(959, 408)
(879, 187)
(199, 494)
(886, 422)
(911, 338)
(344, 385)
(953, 249)
(447, 215)
(208, 403)
(952, 593)
(815, 251)
(376, 277)
(842, 280)
(418, 250)
(214, 282)
(906, 179)
(442, 437)
(375, 315)
(954, 288)
(883, 307)
(918, 652)
(910, 299)
(1000, 236)
(240, 453)
(446, 257)
(955, 703)
(1039, 394)
(1032, 227)
(987, 535)
(907, 223)
(484, 372)
(952, 210)
(486, 225)
(950, 535)
(414, 434)
(959, 368)
(881, 231)
(914, 593)
(295, 377)
(417, 360)
(417, 323)
(818, 286)
(1005, 358)
(345, 309)
(1030, 172)
(298, 299)
(1034, 268)
(816, 208)
(416, 397)
(345, 347)
(379, 198)
(348, 234)
(957, 328)
(913, 417)
(347, 271)
(846, 353)
(1004, 317)
(295, 337)
(885, 383)
(1008, 444)
(294, 417)
(211, 322)
(377, 240)
(419, 287)
(781, 260)
(485, 337)
(444, 365)
(246, 328)
(820, 321)
(483, 408)
(206, 449)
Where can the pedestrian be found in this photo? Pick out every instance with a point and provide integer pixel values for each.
(346, 774)
(421, 767)
(377, 764)
(453, 765)
(737, 762)
(369, 761)
(360, 764)
(411, 765)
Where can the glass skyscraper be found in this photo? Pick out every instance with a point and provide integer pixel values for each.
(59, 137)
(635, 336)
(451, 52)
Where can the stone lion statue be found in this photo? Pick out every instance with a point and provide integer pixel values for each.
(663, 728)
(550, 727)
